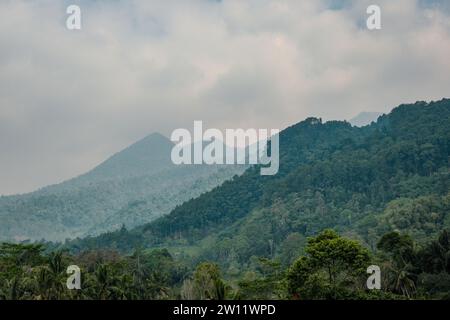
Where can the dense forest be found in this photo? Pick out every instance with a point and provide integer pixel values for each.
(331, 267)
(344, 198)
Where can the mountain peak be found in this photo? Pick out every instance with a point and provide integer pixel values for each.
(149, 155)
(156, 136)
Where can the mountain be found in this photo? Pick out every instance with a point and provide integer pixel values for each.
(364, 118)
(147, 156)
(133, 187)
(391, 175)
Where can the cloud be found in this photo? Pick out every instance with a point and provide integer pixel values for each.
(69, 99)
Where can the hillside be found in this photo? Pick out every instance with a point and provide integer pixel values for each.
(130, 188)
(363, 182)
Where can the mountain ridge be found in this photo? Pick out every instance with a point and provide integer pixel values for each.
(104, 198)
(332, 175)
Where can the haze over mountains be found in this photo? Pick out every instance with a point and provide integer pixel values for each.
(392, 175)
(131, 188)
(140, 183)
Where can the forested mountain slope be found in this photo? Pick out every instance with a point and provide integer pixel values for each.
(131, 188)
(391, 175)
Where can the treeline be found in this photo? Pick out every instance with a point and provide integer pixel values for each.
(331, 267)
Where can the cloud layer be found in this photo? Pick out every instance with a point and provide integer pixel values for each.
(69, 99)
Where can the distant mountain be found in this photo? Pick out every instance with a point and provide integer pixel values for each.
(147, 156)
(391, 175)
(364, 119)
(133, 187)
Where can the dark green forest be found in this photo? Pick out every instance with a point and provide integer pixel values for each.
(345, 198)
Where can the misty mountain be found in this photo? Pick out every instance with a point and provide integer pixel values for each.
(133, 187)
(147, 156)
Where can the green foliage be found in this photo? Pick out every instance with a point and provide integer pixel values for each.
(28, 273)
(205, 284)
(332, 267)
(267, 282)
(421, 217)
(416, 271)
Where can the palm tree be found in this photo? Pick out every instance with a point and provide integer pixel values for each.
(43, 283)
(401, 279)
(11, 289)
(56, 273)
(103, 281)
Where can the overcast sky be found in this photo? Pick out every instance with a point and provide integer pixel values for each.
(70, 99)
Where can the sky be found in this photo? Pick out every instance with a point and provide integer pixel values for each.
(69, 99)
